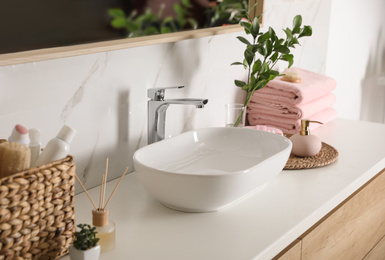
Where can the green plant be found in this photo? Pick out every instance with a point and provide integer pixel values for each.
(230, 12)
(183, 13)
(271, 49)
(85, 238)
(149, 23)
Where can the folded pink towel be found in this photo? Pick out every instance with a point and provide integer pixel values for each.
(291, 126)
(312, 86)
(262, 106)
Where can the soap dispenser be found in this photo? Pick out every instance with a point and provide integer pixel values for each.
(305, 144)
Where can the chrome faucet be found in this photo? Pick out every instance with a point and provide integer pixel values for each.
(157, 107)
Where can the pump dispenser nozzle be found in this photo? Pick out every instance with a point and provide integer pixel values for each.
(305, 126)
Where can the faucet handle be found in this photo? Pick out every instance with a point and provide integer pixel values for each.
(157, 94)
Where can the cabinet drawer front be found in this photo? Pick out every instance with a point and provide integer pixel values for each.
(378, 252)
(352, 229)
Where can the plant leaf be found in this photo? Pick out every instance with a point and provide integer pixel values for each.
(265, 67)
(269, 47)
(306, 31)
(297, 21)
(261, 50)
(274, 57)
(245, 87)
(245, 64)
(165, 29)
(239, 83)
(294, 41)
(279, 42)
(289, 34)
(132, 27)
(260, 84)
(257, 66)
(272, 33)
(264, 37)
(289, 58)
(244, 40)
(245, 24)
(116, 13)
(282, 49)
(253, 82)
(249, 56)
(255, 27)
(186, 3)
(273, 74)
(236, 63)
(118, 23)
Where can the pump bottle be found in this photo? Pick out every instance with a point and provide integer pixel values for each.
(305, 144)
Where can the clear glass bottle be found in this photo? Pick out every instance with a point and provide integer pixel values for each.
(105, 229)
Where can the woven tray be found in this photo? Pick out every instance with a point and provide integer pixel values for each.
(326, 156)
(37, 219)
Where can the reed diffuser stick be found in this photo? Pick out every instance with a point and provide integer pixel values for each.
(105, 181)
(121, 178)
(101, 193)
(85, 190)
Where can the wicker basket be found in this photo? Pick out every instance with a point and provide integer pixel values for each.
(37, 219)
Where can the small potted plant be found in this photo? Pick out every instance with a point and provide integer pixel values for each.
(85, 246)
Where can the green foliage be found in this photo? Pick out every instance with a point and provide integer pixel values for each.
(230, 11)
(150, 23)
(270, 49)
(85, 238)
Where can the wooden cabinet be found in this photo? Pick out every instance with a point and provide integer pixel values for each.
(378, 252)
(353, 230)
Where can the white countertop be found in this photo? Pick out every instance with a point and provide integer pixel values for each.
(257, 227)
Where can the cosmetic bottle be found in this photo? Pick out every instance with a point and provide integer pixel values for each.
(305, 144)
(105, 229)
(34, 145)
(58, 147)
(19, 135)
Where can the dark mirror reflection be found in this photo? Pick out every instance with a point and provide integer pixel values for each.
(27, 25)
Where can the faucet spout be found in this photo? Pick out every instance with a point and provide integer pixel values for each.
(157, 108)
(198, 103)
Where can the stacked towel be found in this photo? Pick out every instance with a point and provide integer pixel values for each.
(283, 104)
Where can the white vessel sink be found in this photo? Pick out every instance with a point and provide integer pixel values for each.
(209, 169)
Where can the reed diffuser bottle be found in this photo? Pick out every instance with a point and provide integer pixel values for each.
(105, 227)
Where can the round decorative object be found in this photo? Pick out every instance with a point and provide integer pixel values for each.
(326, 156)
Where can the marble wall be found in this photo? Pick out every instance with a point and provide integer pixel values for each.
(103, 96)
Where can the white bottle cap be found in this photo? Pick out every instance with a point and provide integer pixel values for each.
(19, 135)
(66, 134)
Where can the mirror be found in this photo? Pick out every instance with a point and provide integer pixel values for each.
(40, 29)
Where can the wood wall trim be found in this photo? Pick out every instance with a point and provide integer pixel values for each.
(83, 49)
